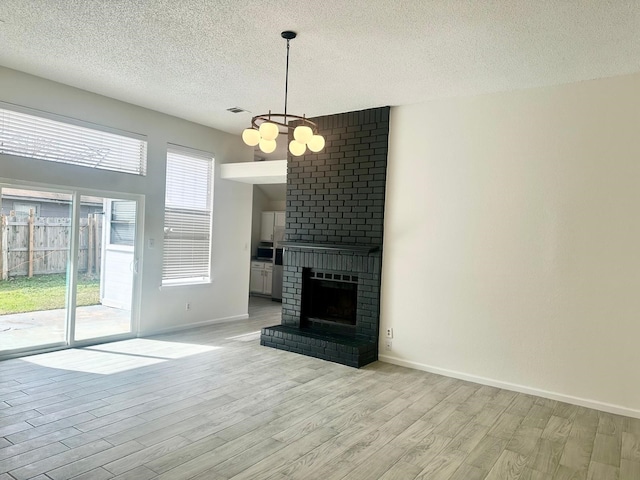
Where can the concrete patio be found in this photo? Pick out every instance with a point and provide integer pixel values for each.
(31, 329)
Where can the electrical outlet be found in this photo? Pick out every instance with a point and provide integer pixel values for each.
(187, 306)
(388, 344)
(389, 332)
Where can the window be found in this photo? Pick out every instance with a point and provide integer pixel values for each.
(34, 136)
(23, 210)
(123, 222)
(187, 217)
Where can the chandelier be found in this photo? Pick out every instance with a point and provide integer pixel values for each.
(265, 128)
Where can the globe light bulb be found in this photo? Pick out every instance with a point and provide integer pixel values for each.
(269, 131)
(251, 137)
(316, 143)
(303, 134)
(296, 148)
(267, 146)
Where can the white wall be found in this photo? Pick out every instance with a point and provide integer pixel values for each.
(161, 309)
(277, 205)
(512, 241)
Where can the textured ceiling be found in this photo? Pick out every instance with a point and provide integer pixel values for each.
(196, 58)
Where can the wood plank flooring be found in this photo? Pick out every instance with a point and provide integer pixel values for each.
(210, 403)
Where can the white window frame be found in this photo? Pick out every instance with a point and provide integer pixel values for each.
(186, 259)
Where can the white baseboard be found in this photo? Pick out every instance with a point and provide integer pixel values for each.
(188, 326)
(583, 402)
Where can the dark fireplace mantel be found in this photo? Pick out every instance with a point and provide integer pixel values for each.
(361, 249)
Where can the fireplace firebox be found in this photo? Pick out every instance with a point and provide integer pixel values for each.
(329, 301)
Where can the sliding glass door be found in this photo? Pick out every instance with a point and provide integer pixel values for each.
(67, 268)
(35, 246)
(106, 258)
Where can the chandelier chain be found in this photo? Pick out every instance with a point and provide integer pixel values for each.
(286, 84)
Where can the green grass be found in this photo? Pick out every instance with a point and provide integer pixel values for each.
(45, 292)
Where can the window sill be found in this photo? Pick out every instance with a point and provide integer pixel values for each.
(119, 247)
(190, 283)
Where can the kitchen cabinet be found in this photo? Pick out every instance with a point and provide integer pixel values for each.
(268, 222)
(268, 281)
(266, 226)
(261, 278)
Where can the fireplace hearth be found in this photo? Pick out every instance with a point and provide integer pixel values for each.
(330, 303)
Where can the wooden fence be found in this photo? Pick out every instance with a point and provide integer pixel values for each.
(40, 245)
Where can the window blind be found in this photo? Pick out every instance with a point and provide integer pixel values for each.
(26, 135)
(123, 222)
(187, 217)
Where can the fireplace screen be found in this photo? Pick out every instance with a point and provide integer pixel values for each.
(329, 298)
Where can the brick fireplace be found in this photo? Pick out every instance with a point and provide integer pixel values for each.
(333, 242)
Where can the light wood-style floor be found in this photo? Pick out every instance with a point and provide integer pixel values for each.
(212, 404)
